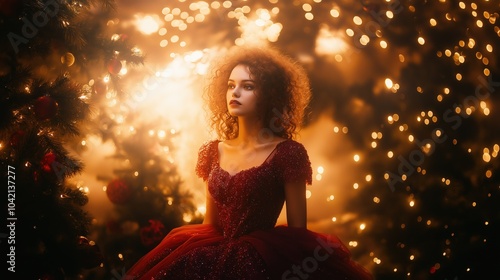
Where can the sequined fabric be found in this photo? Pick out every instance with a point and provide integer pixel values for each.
(252, 199)
(248, 244)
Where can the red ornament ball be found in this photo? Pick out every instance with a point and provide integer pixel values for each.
(45, 107)
(114, 66)
(153, 233)
(47, 161)
(118, 191)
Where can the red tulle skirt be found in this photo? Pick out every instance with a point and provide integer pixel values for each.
(202, 252)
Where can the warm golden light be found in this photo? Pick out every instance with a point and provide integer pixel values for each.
(401, 133)
(308, 194)
(259, 28)
(356, 158)
(334, 13)
(329, 42)
(388, 83)
(147, 25)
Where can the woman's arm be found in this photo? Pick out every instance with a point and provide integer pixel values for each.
(211, 214)
(296, 209)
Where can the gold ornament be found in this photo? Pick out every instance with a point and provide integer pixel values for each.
(68, 59)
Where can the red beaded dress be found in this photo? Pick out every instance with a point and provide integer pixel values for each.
(248, 244)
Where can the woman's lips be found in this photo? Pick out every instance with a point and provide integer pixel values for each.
(234, 102)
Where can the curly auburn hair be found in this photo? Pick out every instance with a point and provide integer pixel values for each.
(282, 84)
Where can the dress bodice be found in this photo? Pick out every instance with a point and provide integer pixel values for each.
(252, 199)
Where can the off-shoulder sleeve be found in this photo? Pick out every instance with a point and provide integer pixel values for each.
(295, 163)
(205, 159)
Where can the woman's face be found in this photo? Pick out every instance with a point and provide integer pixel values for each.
(241, 94)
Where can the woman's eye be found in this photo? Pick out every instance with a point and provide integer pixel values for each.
(249, 87)
(230, 86)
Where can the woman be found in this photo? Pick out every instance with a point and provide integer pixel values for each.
(257, 98)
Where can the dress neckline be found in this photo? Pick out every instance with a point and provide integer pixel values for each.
(266, 161)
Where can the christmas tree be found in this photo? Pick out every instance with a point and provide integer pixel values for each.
(411, 87)
(49, 52)
(148, 201)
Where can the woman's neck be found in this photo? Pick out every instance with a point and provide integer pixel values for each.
(250, 132)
